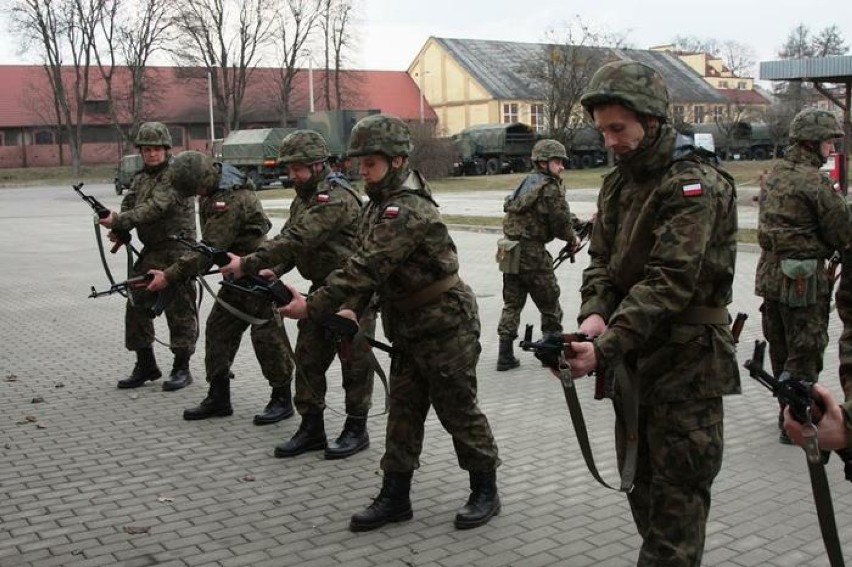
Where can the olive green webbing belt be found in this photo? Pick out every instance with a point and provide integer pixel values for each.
(426, 295)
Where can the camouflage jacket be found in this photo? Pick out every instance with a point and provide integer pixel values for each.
(319, 234)
(536, 213)
(801, 217)
(404, 248)
(232, 219)
(155, 210)
(664, 244)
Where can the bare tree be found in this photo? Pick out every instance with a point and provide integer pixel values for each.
(737, 57)
(694, 44)
(339, 39)
(563, 70)
(229, 49)
(62, 30)
(295, 23)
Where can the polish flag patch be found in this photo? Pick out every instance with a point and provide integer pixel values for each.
(693, 189)
(391, 212)
(323, 198)
(220, 206)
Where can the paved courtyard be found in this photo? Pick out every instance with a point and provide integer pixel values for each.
(91, 475)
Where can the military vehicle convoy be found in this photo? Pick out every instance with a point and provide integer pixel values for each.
(739, 140)
(494, 148)
(255, 153)
(128, 167)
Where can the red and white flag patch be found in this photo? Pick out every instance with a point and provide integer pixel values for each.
(220, 206)
(693, 189)
(323, 198)
(391, 212)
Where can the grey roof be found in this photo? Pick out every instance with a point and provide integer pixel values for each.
(497, 66)
(828, 69)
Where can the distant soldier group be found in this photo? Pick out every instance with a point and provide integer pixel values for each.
(654, 305)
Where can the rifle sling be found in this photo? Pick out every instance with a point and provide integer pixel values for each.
(105, 264)
(631, 411)
(822, 500)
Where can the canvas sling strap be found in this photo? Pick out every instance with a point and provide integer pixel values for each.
(630, 401)
(426, 295)
(822, 495)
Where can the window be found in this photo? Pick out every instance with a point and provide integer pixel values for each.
(678, 113)
(742, 85)
(718, 113)
(177, 136)
(723, 84)
(699, 114)
(510, 112)
(97, 106)
(42, 137)
(537, 120)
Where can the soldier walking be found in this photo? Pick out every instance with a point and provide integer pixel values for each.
(407, 258)
(536, 213)
(655, 296)
(232, 219)
(318, 237)
(156, 211)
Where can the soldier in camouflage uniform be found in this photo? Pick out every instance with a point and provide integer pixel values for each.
(802, 222)
(407, 258)
(232, 219)
(536, 213)
(663, 252)
(317, 238)
(156, 212)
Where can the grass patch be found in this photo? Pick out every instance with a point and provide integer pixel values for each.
(25, 176)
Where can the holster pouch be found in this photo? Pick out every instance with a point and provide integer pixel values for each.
(508, 256)
(799, 282)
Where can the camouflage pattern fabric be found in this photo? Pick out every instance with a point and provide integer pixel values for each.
(191, 170)
(633, 85)
(153, 134)
(380, 134)
(814, 125)
(156, 211)
(302, 146)
(233, 219)
(843, 301)
(543, 150)
(404, 248)
(318, 237)
(536, 213)
(664, 243)
(801, 217)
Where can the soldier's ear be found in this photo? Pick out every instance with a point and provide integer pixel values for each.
(396, 162)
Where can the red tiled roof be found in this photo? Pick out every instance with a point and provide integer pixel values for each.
(179, 95)
(742, 96)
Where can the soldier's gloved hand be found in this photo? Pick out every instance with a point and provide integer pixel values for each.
(158, 281)
(593, 325)
(233, 268)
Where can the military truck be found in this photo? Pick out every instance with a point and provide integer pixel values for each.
(255, 153)
(585, 148)
(494, 148)
(335, 126)
(738, 140)
(128, 167)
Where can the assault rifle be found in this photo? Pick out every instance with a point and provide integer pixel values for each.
(583, 230)
(124, 236)
(549, 349)
(218, 255)
(139, 282)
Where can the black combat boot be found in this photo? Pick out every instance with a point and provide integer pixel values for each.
(483, 503)
(280, 407)
(180, 376)
(309, 437)
(391, 505)
(506, 359)
(144, 370)
(352, 439)
(216, 404)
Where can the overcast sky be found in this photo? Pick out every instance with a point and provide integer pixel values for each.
(389, 33)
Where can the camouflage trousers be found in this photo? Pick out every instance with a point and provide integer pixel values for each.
(843, 297)
(315, 351)
(797, 337)
(224, 332)
(679, 455)
(440, 372)
(543, 288)
(181, 311)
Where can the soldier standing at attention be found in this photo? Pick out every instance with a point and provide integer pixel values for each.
(156, 211)
(407, 258)
(802, 221)
(232, 219)
(654, 296)
(318, 237)
(536, 213)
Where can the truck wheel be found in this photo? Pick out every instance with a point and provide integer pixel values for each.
(479, 166)
(574, 162)
(256, 178)
(586, 161)
(759, 153)
(492, 166)
(118, 188)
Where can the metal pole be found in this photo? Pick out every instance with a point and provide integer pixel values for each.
(311, 84)
(210, 104)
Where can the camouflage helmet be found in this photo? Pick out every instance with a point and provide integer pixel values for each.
(191, 171)
(815, 126)
(628, 83)
(153, 134)
(305, 146)
(543, 150)
(380, 134)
